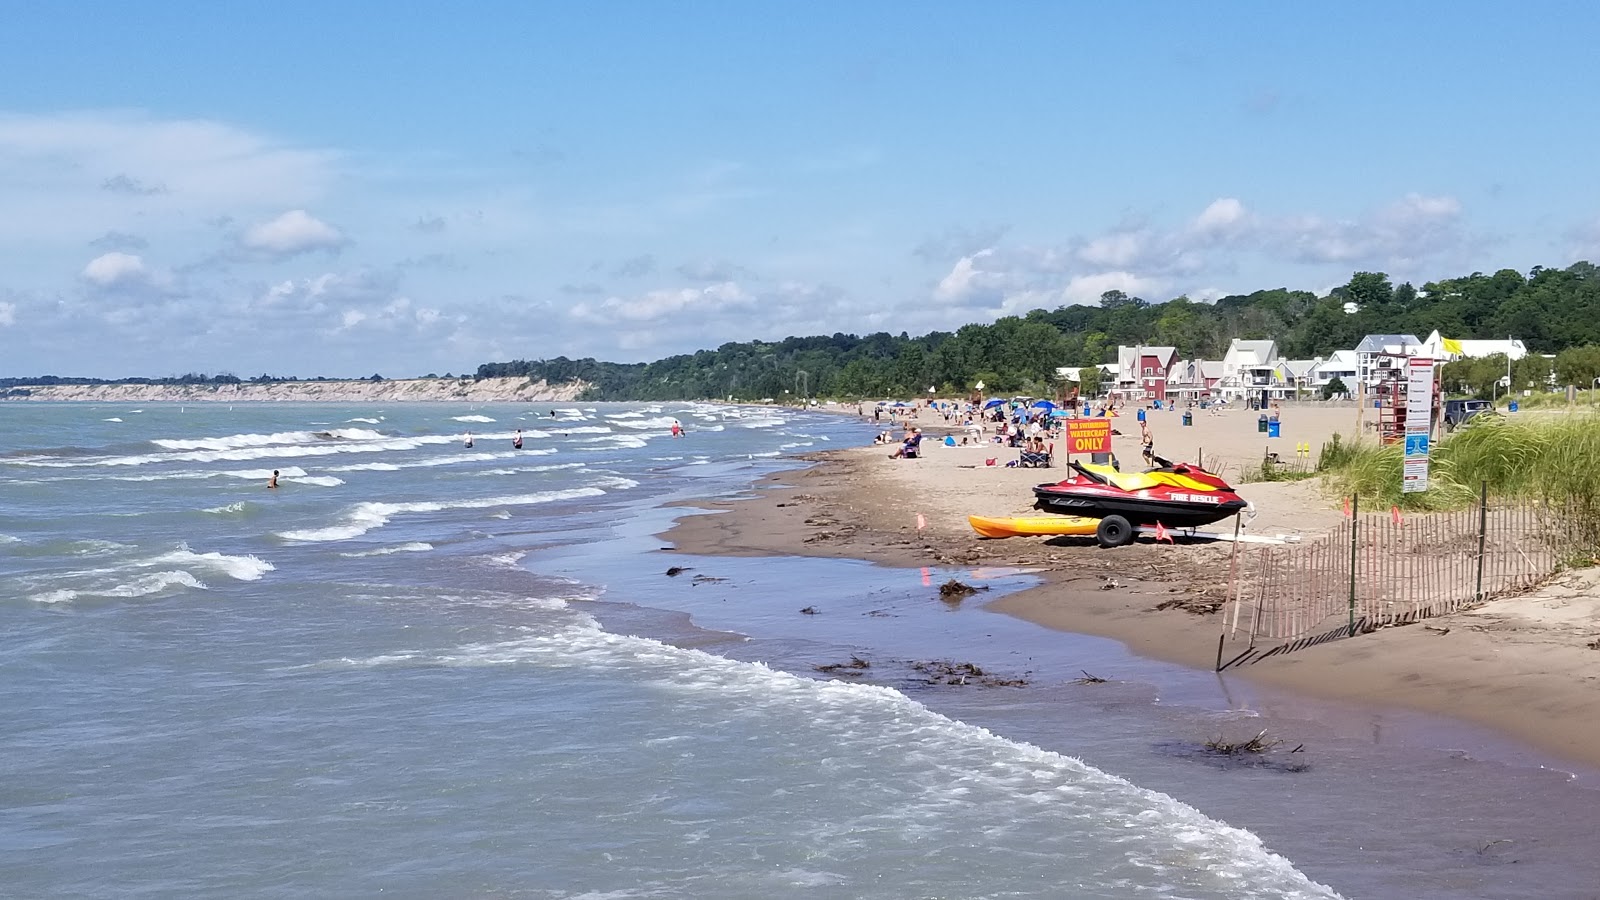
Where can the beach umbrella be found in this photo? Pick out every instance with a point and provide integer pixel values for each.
(1044, 404)
(993, 403)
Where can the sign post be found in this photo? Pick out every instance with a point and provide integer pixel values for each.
(1419, 424)
(1088, 436)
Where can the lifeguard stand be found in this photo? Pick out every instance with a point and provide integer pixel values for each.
(1389, 394)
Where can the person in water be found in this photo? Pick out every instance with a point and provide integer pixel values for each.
(468, 442)
(516, 442)
(677, 429)
(273, 481)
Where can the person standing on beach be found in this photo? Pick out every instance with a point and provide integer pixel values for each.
(1148, 442)
(273, 481)
(516, 442)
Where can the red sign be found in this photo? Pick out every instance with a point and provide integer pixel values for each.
(1088, 435)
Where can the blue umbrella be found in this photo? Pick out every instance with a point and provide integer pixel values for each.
(1044, 404)
(993, 403)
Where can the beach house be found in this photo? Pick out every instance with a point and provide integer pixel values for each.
(1193, 379)
(1248, 370)
(1340, 364)
(1142, 372)
(1377, 353)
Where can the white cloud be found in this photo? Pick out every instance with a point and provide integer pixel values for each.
(1114, 250)
(665, 304)
(71, 174)
(1086, 289)
(1411, 229)
(965, 279)
(294, 232)
(8, 313)
(116, 269)
(1225, 215)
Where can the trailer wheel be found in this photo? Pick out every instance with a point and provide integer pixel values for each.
(1114, 531)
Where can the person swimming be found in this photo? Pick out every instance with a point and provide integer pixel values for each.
(468, 442)
(516, 442)
(273, 481)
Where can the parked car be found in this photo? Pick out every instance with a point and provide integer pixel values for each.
(1458, 412)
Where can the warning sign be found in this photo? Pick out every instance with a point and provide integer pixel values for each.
(1088, 435)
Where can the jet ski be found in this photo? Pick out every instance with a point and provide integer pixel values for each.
(1174, 495)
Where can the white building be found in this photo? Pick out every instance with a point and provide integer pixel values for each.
(1247, 369)
(1340, 364)
(1447, 350)
(1377, 352)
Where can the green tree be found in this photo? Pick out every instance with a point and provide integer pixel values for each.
(1089, 381)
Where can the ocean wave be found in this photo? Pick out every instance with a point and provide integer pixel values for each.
(764, 422)
(615, 483)
(264, 474)
(364, 517)
(232, 509)
(1104, 829)
(242, 454)
(142, 586)
(239, 568)
(587, 429)
(470, 419)
(615, 442)
(318, 480)
(413, 547)
(233, 441)
(363, 419)
(663, 423)
(519, 470)
(112, 419)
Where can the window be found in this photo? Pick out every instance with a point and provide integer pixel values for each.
(1149, 371)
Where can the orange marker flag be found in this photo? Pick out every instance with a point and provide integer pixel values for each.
(1161, 534)
(927, 577)
(1394, 514)
(1347, 507)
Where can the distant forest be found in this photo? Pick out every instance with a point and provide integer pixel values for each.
(1553, 311)
(1550, 310)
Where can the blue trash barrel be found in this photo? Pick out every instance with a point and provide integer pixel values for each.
(1272, 429)
(1141, 414)
(1513, 406)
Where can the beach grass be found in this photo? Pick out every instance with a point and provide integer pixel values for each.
(1554, 460)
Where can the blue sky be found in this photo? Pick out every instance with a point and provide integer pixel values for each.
(348, 188)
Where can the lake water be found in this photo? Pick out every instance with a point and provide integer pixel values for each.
(419, 669)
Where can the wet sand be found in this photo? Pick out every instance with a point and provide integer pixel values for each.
(1524, 666)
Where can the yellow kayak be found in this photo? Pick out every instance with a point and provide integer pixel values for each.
(1029, 526)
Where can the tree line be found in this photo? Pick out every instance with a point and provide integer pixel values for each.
(1553, 311)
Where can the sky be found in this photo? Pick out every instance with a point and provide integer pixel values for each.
(401, 188)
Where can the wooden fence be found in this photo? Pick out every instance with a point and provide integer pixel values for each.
(1385, 569)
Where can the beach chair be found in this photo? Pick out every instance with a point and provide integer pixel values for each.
(913, 447)
(1033, 459)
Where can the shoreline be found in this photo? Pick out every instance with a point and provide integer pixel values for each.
(486, 390)
(1520, 667)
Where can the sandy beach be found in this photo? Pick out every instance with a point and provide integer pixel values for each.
(1526, 666)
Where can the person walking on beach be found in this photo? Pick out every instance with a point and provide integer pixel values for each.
(273, 481)
(1148, 442)
(516, 442)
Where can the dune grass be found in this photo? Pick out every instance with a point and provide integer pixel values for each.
(1555, 460)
